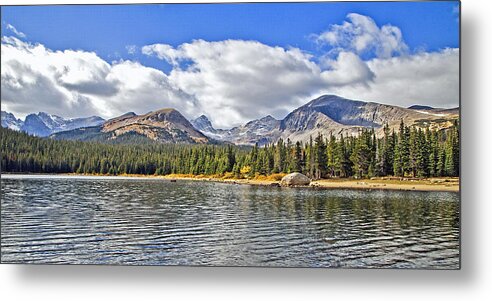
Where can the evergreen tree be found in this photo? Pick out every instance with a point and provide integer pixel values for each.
(320, 159)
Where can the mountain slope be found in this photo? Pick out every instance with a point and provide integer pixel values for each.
(43, 124)
(333, 114)
(10, 121)
(328, 114)
(165, 126)
(203, 124)
(57, 124)
(34, 125)
(261, 131)
(436, 111)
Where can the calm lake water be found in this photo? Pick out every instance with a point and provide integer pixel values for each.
(108, 220)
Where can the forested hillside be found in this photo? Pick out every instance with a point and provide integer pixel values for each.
(407, 152)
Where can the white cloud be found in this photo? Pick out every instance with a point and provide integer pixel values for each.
(236, 81)
(78, 83)
(33, 78)
(18, 33)
(347, 69)
(422, 78)
(163, 52)
(145, 89)
(361, 35)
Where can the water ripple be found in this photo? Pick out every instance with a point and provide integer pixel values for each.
(87, 220)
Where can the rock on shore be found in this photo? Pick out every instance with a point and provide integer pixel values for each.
(295, 179)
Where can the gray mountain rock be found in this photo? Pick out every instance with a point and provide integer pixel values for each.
(11, 122)
(43, 124)
(163, 126)
(328, 114)
(261, 131)
(331, 114)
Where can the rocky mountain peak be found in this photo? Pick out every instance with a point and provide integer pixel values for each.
(327, 114)
(202, 123)
(268, 118)
(129, 114)
(166, 115)
(164, 125)
(33, 124)
(10, 121)
(43, 124)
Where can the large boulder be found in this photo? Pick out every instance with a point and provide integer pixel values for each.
(295, 179)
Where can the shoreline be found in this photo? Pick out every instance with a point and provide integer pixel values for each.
(431, 184)
(427, 184)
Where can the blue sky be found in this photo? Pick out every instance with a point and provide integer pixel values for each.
(108, 29)
(231, 62)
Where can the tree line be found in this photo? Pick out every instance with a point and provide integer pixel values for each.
(407, 152)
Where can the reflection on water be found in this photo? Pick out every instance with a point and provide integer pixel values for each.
(89, 220)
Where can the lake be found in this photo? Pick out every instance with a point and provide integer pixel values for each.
(135, 221)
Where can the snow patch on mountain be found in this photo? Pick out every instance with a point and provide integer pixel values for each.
(43, 124)
(11, 122)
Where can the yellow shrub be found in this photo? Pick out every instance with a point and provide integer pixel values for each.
(228, 175)
(272, 177)
(275, 177)
(180, 175)
(245, 170)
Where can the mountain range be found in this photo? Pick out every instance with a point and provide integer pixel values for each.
(261, 131)
(43, 124)
(328, 114)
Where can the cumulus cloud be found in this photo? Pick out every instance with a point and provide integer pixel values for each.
(146, 89)
(247, 79)
(163, 52)
(361, 35)
(78, 83)
(18, 33)
(33, 78)
(241, 79)
(422, 78)
(347, 69)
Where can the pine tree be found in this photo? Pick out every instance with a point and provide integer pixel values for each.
(296, 162)
(360, 156)
(320, 159)
(401, 163)
(332, 157)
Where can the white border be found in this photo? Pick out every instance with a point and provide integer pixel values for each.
(473, 282)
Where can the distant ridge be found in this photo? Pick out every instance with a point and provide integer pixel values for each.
(163, 126)
(43, 124)
(420, 107)
(327, 114)
(259, 131)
